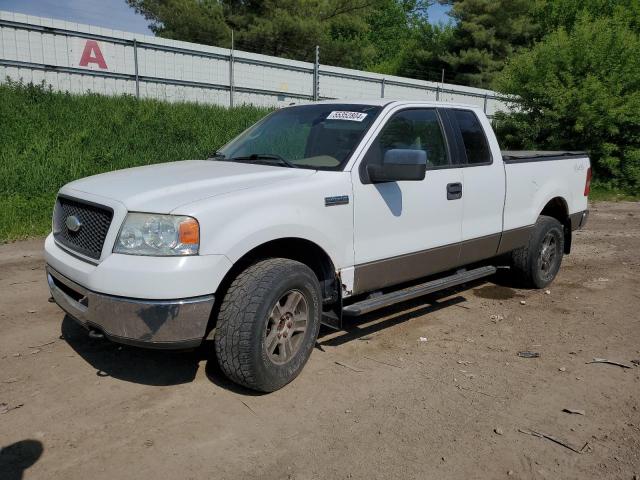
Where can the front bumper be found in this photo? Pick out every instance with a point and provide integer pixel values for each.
(169, 324)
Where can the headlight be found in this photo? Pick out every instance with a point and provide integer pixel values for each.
(159, 235)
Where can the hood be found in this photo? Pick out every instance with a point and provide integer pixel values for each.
(163, 187)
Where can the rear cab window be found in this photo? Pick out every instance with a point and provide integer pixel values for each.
(476, 146)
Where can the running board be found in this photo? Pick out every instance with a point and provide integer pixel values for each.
(391, 298)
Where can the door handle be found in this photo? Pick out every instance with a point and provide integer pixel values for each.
(454, 191)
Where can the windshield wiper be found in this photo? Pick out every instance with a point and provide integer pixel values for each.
(265, 157)
(217, 156)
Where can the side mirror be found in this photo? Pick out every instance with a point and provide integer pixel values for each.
(399, 165)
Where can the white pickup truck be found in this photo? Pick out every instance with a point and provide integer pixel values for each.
(315, 213)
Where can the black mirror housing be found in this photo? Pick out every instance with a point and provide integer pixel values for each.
(399, 165)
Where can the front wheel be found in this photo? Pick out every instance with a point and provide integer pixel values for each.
(538, 262)
(268, 324)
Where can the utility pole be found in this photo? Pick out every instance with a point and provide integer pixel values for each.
(135, 63)
(231, 83)
(316, 76)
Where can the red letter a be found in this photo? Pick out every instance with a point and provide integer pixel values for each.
(92, 54)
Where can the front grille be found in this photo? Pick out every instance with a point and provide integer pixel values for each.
(94, 225)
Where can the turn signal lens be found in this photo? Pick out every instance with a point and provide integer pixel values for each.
(587, 185)
(189, 232)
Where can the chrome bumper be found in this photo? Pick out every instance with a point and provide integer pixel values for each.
(147, 323)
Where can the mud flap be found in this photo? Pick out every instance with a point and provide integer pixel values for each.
(333, 318)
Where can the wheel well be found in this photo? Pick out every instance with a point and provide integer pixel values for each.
(301, 250)
(557, 208)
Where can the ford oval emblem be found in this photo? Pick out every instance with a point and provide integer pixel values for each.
(73, 223)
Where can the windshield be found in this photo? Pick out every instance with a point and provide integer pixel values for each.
(318, 136)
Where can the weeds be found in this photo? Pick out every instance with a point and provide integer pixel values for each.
(48, 139)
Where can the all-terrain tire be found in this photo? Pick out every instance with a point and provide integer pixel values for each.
(537, 263)
(246, 317)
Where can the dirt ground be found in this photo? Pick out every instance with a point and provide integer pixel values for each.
(449, 407)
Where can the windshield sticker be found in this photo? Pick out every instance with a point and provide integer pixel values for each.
(353, 116)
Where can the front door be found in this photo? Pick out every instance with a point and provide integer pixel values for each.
(407, 229)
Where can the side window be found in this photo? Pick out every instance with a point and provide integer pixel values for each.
(475, 141)
(413, 130)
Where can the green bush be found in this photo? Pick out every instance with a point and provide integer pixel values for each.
(48, 139)
(580, 90)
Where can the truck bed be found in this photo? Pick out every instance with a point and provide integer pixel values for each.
(531, 184)
(522, 156)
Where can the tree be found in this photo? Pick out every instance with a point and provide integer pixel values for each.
(424, 57)
(553, 14)
(580, 89)
(286, 28)
(292, 28)
(394, 31)
(199, 21)
(487, 32)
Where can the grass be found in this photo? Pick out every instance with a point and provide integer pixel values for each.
(599, 193)
(48, 139)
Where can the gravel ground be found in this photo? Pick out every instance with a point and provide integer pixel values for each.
(449, 407)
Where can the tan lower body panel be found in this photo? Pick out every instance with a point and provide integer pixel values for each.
(392, 271)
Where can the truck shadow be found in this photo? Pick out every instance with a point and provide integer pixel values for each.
(131, 364)
(145, 366)
(364, 326)
(166, 367)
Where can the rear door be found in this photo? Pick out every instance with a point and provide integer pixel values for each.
(408, 229)
(483, 180)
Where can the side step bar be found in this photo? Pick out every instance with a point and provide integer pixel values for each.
(391, 298)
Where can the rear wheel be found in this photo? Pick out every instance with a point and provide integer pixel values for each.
(268, 324)
(537, 263)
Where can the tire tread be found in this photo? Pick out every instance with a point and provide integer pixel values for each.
(234, 329)
(522, 258)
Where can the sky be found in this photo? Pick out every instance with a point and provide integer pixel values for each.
(116, 14)
(437, 13)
